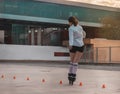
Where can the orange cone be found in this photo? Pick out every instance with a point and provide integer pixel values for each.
(2, 76)
(103, 86)
(14, 77)
(81, 84)
(28, 78)
(43, 80)
(61, 82)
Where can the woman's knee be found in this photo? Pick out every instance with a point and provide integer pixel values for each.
(77, 56)
(72, 55)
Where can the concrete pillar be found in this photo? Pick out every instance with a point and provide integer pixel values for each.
(1, 36)
(39, 36)
(32, 37)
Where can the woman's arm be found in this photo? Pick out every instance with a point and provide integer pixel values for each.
(84, 34)
(70, 37)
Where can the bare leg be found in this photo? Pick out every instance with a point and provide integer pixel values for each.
(77, 57)
(71, 60)
(75, 61)
(71, 68)
(72, 55)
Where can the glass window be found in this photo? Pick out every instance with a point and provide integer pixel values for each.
(21, 34)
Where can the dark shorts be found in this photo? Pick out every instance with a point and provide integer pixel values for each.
(75, 49)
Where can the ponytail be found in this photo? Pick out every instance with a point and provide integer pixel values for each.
(73, 20)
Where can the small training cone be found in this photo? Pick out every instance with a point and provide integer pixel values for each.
(103, 86)
(14, 77)
(28, 78)
(43, 80)
(61, 82)
(2, 76)
(81, 84)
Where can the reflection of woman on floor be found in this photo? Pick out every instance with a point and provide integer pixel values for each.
(76, 47)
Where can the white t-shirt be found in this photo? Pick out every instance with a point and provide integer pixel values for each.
(76, 35)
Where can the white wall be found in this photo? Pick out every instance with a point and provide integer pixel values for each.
(21, 52)
(99, 42)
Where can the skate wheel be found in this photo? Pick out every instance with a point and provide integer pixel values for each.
(70, 82)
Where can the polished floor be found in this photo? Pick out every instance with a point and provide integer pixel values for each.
(51, 78)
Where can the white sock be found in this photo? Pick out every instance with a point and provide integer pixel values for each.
(74, 68)
(71, 67)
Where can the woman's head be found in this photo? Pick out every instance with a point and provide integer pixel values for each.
(73, 21)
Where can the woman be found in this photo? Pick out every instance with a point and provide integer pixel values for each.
(76, 47)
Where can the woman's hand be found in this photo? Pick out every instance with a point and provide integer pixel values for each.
(70, 47)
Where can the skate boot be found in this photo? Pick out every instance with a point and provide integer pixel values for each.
(73, 79)
(70, 78)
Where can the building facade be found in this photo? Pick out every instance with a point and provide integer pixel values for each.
(34, 22)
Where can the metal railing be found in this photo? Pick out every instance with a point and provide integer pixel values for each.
(101, 55)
